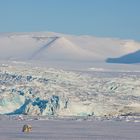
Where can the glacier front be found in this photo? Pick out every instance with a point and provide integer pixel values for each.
(55, 92)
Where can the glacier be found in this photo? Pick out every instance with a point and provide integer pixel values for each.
(41, 91)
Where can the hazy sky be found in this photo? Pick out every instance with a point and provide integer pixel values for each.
(110, 18)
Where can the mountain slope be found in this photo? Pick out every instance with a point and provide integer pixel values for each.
(45, 46)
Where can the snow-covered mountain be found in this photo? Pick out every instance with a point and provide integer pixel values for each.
(45, 46)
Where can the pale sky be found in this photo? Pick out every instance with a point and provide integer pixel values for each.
(104, 18)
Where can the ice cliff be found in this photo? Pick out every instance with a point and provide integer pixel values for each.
(47, 91)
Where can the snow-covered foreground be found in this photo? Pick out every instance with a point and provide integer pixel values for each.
(69, 130)
(55, 92)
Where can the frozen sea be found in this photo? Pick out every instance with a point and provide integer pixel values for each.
(70, 130)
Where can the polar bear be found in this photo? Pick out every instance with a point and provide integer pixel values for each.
(27, 128)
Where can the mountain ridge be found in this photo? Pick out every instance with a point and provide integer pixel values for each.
(41, 46)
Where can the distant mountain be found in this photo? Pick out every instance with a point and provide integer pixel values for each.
(47, 46)
(126, 59)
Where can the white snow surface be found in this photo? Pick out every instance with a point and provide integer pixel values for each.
(69, 130)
